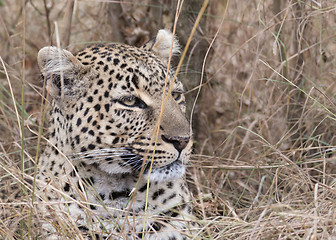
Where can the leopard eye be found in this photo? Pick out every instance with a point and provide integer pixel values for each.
(128, 101)
(176, 95)
(131, 101)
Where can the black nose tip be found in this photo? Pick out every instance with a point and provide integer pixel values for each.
(178, 142)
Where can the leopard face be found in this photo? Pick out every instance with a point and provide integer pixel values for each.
(118, 109)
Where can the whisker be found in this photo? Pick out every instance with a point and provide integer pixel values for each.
(124, 154)
(102, 152)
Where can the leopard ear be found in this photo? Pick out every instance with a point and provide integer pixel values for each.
(162, 43)
(62, 71)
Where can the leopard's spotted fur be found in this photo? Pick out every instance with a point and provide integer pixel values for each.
(105, 154)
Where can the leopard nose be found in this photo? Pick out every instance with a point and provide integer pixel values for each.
(179, 143)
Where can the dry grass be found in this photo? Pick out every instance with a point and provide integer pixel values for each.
(264, 163)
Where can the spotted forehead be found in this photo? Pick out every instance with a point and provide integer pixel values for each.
(127, 67)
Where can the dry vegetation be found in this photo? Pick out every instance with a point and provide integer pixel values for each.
(264, 165)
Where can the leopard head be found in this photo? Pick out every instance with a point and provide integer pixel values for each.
(117, 108)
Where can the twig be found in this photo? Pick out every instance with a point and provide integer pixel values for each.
(67, 23)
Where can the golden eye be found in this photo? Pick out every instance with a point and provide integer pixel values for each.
(132, 101)
(128, 101)
(176, 95)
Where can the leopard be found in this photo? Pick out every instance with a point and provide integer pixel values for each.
(118, 143)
